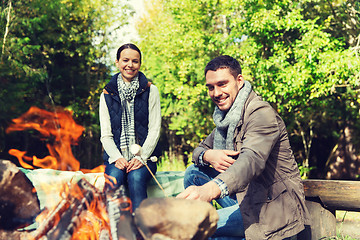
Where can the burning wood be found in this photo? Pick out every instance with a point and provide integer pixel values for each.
(119, 208)
(66, 220)
(63, 221)
(84, 212)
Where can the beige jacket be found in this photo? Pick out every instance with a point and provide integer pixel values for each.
(265, 176)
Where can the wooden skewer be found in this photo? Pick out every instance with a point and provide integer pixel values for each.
(136, 150)
(155, 179)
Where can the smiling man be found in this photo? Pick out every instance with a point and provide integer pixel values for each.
(246, 164)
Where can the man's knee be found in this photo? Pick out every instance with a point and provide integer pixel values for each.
(189, 175)
(189, 170)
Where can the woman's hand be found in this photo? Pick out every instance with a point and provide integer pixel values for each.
(121, 163)
(134, 164)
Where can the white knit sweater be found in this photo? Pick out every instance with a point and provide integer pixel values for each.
(153, 126)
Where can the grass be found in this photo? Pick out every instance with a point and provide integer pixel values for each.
(167, 164)
(344, 217)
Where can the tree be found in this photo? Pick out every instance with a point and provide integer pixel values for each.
(175, 54)
(290, 51)
(54, 56)
(301, 66)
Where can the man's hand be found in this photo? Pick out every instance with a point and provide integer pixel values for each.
(134, 164)
(206, 192)
(121, 163)
(220, 159)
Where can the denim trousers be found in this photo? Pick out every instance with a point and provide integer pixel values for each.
(135, 181)
(230, 224)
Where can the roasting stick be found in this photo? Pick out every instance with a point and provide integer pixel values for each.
(135, 149)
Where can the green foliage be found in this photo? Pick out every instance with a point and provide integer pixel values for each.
(53, 55)
(302, 56)
(175, 54)
(304, 170)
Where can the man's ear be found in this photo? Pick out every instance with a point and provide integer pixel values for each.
(240, 80)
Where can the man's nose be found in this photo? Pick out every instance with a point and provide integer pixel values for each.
(217, 92)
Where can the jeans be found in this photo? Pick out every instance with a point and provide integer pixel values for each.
(230, 224)
(135, 181)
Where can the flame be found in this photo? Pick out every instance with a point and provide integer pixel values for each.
(110, 180)
(60, 132)
(60, 129)
(90, 221)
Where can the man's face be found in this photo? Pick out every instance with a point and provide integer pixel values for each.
(223, 87)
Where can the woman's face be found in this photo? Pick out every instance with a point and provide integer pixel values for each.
(128, 64)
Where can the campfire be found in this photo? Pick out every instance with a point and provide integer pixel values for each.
(82, 207)
(83, 211)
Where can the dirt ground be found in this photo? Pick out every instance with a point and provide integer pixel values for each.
(348, 224)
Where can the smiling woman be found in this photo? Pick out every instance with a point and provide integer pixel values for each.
(130, 114)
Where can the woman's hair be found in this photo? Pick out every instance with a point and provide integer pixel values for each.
(125, 46)
(224, 61)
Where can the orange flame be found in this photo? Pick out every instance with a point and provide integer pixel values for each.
(90, 221)
(110, 180)
(61, 129)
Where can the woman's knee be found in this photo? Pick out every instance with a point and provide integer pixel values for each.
(138, 176)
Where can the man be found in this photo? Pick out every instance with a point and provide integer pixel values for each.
(246, 163)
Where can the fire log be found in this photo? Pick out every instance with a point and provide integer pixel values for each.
(19, 204)
(63, 221)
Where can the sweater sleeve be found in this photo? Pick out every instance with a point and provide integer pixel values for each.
(106, 138)
(154, 124)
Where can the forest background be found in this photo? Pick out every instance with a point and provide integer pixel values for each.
(302, 56)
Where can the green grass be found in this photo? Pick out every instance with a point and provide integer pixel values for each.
(167, 164)
(346, 216)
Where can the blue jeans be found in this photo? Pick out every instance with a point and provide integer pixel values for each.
(230, 225)
(135, 181)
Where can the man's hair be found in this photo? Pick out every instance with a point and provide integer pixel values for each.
(224, 61)
(125, 46)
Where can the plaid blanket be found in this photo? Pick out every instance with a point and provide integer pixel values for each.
(48, 182)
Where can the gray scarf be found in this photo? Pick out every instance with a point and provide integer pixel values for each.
(226, 121)
(127, 93)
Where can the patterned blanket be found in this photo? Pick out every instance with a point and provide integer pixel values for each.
(48, 182)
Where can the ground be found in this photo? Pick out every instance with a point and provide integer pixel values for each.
(348, 224)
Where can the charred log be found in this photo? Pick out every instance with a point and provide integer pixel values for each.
(62, 222)
(19, 204)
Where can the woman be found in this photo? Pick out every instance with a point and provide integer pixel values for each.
(129, 114)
